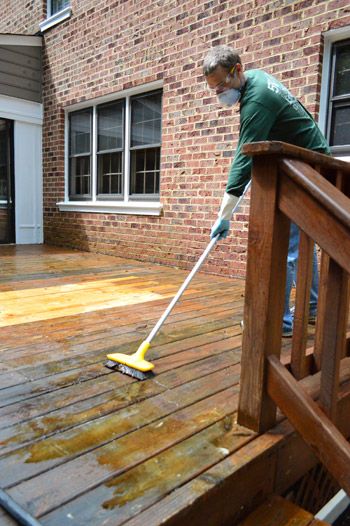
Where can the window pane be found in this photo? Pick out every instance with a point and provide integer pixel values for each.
(146, 120)
(86, 185)
(58, 5)
(80, 132)
(340, 131)
(110, 173)
(342, 70)
(151, 160)
(110, 126)
(145, 171)
(80, 176)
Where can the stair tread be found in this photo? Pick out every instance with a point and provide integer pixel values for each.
(277, 511)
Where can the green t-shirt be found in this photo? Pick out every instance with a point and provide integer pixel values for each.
(269, 112)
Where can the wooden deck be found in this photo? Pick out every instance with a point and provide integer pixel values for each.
(81, 444)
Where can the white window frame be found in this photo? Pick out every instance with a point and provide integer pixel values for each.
(330, 37)
(56, 18)
(127, 205)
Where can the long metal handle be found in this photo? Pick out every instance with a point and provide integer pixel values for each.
(190, 276)
(182, 289)
(16, 511)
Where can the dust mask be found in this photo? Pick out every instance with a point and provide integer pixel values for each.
(229, 97)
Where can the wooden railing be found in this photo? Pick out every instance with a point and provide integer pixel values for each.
(312, 190)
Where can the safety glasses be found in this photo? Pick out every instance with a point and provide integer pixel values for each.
(219, 88)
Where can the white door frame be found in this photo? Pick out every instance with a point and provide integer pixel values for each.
(28, 118)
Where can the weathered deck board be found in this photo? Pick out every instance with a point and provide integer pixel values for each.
(6, 520)
(148, 482)
(97, 406)
(81, 444)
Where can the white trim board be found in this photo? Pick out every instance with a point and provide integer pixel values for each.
(136, 90)
(55, 19)
(334, 508)
(20, 40)
(130, 207)
(21, 110)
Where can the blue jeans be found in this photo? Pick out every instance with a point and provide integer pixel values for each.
(292, 262)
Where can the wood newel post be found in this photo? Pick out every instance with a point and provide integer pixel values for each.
(264, 294)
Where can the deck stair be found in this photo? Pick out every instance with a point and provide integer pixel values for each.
(311, 190)
(277, 511)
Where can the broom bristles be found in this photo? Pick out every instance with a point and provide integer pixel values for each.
(130, 371)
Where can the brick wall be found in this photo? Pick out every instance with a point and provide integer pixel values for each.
(21, 16)
(107, 46)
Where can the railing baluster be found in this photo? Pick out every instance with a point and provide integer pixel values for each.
(301, 313)
(339, 182)
(333, 336)
(321, 306)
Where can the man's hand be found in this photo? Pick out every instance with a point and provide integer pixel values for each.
(222, 227)
(222, 224)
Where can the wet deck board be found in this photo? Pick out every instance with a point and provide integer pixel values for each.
(81, 444)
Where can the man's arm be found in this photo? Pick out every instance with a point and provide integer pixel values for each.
(256, 123)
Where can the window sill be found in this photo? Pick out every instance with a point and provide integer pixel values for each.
(55, 19)
(143, 208)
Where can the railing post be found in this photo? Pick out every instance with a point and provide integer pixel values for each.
(264, 294)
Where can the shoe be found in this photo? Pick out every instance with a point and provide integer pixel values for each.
(312, 317)
(287, 333)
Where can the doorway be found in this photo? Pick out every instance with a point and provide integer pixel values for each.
(7, 186)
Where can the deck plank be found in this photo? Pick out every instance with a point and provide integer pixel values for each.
(100, 465)
(135, 452)
(115, 502)
(170, 332)
(50, 401)
(25, 373)
(57, 369)
(77, 413)
(6, 519)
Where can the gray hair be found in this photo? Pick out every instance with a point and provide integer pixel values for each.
(223, 56)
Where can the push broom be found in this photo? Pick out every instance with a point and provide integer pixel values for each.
(135, 364)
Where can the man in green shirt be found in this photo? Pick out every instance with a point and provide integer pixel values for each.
(268, 111)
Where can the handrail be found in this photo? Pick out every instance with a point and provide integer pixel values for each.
(318, 187)
(304, 195)
(312, 190)
(282, 149)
